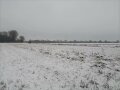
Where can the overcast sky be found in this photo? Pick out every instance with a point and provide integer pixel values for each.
(62, 19)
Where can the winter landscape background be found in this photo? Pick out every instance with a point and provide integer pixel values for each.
(59, 44)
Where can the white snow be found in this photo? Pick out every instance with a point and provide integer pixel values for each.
(59, 67)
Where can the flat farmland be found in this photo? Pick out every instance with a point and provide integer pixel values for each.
(59, 66)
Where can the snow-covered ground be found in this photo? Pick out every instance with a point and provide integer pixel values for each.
(59, 67)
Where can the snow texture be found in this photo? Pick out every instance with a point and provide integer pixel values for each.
(59, 66)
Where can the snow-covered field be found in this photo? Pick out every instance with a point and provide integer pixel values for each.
(59, 67)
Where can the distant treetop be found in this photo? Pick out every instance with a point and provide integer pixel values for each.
(11, 36)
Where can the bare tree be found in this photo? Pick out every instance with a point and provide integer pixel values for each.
(21, 38)
(13, 35)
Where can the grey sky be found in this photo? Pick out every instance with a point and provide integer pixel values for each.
(62, 19)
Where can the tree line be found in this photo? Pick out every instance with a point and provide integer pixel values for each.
(11, 36)
(73, 41)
